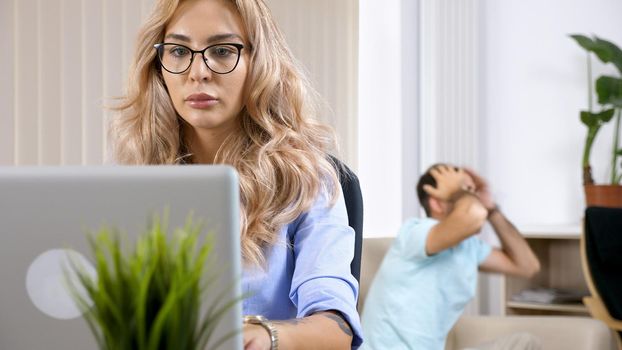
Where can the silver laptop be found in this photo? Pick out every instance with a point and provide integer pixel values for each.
(45, 210)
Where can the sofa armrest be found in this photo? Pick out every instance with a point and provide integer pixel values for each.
(554, 332)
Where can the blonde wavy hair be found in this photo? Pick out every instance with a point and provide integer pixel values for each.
(280, 150)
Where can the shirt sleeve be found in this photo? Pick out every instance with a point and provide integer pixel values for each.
(482, 250)
(413, 236)
(323, 249)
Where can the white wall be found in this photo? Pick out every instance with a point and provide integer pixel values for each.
(535, 85)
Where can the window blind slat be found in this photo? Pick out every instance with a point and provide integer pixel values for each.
(71, 82)
(92, 81)
(26, 70)
(7, 92)
(49, 110)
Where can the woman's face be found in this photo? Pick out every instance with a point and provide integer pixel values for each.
(206, 100)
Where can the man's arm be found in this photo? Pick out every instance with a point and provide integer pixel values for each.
(465, 219)
(466, 216)
(515, 256)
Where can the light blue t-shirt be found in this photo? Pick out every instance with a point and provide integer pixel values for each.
(308, 269)
(415, 299)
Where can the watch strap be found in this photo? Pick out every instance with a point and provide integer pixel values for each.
(268, 326)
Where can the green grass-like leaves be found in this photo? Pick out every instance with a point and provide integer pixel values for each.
(150, 299)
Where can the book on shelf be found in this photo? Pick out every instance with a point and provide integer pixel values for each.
(549, 296)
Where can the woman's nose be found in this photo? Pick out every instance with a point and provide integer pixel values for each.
(198, 69)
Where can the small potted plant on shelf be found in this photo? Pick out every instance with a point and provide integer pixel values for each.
(609, 92)
(151, 298)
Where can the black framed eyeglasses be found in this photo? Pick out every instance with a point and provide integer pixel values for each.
(219, 58)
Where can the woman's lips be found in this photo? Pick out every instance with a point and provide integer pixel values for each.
(201, 101)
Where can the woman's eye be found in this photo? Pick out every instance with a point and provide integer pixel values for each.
(221, 51)
(179, 51)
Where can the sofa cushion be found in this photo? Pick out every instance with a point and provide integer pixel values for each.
(554, 332)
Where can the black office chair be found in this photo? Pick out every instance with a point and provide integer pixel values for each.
(601, 253)
(354, 205)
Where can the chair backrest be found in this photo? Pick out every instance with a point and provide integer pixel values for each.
(354, 205)
(603, 252)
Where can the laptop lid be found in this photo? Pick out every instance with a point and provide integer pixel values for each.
(46, 209)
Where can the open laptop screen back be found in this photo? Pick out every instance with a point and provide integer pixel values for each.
(47, 208)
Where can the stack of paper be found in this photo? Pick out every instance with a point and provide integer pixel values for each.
(549, 296)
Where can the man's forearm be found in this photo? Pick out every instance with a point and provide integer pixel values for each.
(513, 244)
(466, 219)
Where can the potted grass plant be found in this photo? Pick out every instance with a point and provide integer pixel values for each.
(151, 298)
(609, 91)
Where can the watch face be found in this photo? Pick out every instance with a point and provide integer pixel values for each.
(254, 319)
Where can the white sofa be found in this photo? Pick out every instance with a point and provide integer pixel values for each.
(554, 332)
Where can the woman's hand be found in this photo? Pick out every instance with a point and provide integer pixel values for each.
(256, 337)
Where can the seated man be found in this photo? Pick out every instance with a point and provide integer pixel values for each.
(430, 272)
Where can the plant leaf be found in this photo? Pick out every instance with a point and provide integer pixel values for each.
(589, 119)
(596, 120)
(605, 50)
(599, 48)
(606, 115)
(613, 53)
(609, 90)
(585, 42)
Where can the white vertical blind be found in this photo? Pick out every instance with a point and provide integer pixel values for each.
(64, 61)
(450, 122)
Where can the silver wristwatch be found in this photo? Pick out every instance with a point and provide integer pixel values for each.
(268, 326)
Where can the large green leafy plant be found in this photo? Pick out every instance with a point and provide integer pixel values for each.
(151, 298)
(609, 92)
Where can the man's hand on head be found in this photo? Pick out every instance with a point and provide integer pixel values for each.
(482, 190)
(449, 181)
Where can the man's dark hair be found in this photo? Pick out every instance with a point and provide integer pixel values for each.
(426, 179)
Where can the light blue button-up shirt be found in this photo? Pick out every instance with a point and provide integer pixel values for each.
(308, 269)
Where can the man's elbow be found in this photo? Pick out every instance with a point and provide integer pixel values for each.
(534, 268)
(476, 216)
(531, 269)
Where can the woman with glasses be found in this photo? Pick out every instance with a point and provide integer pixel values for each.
(212, 82)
